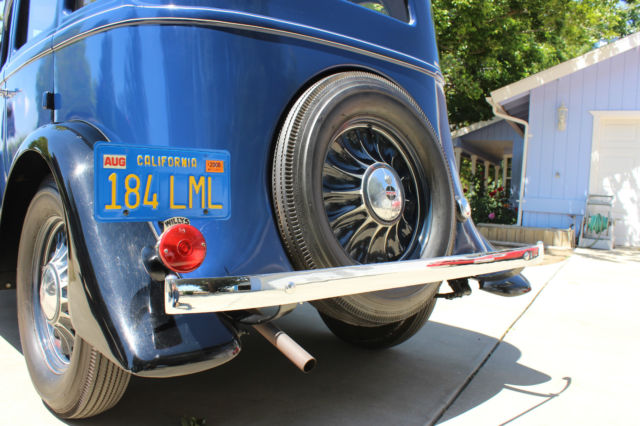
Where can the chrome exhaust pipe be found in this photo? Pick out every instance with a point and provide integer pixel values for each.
(285, 344)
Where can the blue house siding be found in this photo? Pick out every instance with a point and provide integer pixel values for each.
(558, 163)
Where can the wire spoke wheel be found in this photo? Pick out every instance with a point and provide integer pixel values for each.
(371, 194)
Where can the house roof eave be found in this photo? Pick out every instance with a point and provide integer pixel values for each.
(525, 85)
(473, 127)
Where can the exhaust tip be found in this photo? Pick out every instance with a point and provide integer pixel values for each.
(285, 344)
(309, 365)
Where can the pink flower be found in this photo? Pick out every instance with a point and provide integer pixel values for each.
(492, 215)
(500, 189)
(492, 193)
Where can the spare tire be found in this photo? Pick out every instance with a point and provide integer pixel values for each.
(360, 177)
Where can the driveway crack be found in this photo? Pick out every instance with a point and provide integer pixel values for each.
(493, 349)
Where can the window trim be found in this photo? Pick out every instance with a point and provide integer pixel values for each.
(6, 32)
(21, 24)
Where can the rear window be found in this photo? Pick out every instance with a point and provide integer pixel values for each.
(397, 9)
(34, 17)
(42, 15)
(76, 4)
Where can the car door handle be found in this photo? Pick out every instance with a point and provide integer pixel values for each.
(8, 93)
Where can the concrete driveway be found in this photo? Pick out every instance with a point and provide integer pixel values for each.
(563, 354)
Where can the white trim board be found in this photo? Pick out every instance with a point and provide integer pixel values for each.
(615, 114)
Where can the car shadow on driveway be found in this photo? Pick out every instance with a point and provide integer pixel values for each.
(410, 384)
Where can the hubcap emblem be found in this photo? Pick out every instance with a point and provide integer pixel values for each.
(383, 193)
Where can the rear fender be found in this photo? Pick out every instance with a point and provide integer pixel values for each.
(115, 304)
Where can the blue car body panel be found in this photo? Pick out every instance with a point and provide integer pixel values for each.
(223, 84)
(198, 74)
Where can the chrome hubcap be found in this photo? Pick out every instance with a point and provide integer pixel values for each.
(50, 293)
(383, 193)
(52, 317)
(372, 197)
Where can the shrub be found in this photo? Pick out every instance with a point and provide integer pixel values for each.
(490, 203)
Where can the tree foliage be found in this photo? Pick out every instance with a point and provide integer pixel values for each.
(487, 44)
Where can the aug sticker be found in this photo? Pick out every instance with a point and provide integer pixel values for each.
(215, 166)
(114, 161)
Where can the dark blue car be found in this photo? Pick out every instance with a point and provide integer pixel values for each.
(174, 173)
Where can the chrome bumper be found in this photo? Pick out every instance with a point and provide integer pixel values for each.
(200, 295)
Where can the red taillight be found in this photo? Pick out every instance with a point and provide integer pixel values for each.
(182, 248)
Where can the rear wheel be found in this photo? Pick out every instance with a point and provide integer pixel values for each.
(380, 336)
(359, 177)
(72, 378)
